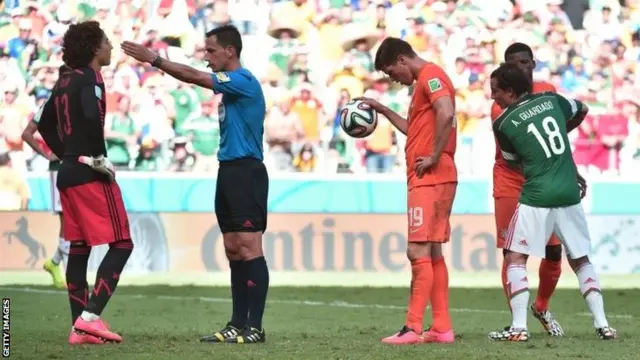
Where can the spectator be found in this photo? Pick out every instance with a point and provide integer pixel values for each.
(613, 129)
(305, 160)
(183, 158)
(358, 41)
(14, 190)
(380, 147)
(120, 133)
(14, 116)
(283, 132)
(11, 29)
(285, 46)
(320, 53)
(306, 106)
(53, 32)
(148, 157)
(204, 131)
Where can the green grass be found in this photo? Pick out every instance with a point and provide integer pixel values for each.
(160, 322)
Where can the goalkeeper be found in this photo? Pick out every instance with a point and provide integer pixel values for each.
(72, 125)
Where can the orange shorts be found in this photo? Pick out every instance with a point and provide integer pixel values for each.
(504, 209)
(429, 209)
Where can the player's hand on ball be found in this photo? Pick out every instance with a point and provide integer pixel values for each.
(583, 186)
(424, 164)
(374, 104)
(138, 52)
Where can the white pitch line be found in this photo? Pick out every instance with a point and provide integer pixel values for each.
(333, 304)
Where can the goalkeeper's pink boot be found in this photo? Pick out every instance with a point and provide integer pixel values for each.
(98, 328)
(78, 338)
(431, 336)
(405, 336)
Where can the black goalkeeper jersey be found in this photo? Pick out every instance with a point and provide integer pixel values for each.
(72, 125)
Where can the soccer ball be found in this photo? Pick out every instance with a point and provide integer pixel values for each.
(357, 119)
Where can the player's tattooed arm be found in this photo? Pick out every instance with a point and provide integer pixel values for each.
(445, 123)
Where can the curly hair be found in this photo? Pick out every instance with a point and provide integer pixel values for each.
(80, 44)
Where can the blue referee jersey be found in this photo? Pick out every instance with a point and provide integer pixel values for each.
(241, 114)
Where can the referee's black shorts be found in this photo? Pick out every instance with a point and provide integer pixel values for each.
(241, 196)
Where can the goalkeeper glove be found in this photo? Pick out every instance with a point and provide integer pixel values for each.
(101, 164)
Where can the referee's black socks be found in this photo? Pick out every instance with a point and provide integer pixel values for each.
(239, 293)
(257, 274)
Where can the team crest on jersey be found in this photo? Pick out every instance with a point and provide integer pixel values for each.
(434, 84)
(98, 92)
(222, 77)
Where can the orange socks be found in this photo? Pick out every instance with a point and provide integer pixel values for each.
(505, 283)
(549, 275)
(440, 297)
(421, 284)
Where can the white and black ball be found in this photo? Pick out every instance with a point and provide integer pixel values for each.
(358, 119)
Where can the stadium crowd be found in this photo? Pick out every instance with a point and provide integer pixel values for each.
(312, 56)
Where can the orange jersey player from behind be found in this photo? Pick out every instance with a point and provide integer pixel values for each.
(431, 179)
(507, 184)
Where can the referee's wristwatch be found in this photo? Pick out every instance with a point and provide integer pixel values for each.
(157, 61)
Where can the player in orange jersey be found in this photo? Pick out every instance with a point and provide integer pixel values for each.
(432, 179)
(507, 184)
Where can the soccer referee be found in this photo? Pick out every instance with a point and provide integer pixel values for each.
(243, 183)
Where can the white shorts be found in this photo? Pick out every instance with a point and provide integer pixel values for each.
(531, 227)
(55, 195)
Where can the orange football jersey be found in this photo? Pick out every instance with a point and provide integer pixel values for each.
(432, 84)
(507, 182)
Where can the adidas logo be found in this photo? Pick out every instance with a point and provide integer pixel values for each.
(231, 333)
(253, 337)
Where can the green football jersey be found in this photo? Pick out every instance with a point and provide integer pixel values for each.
(533, 133)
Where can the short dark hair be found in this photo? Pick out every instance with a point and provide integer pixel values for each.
(389, 51)
(80, 44)
(509, 76)
(228, 35)
(518, 48)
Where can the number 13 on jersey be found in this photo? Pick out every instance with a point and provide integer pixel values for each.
(62, 109)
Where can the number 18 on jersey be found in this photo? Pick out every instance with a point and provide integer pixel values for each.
(533, 132)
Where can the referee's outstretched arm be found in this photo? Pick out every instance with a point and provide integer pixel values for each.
(223, 47)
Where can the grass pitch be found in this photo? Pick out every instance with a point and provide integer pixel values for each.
(162, 322)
